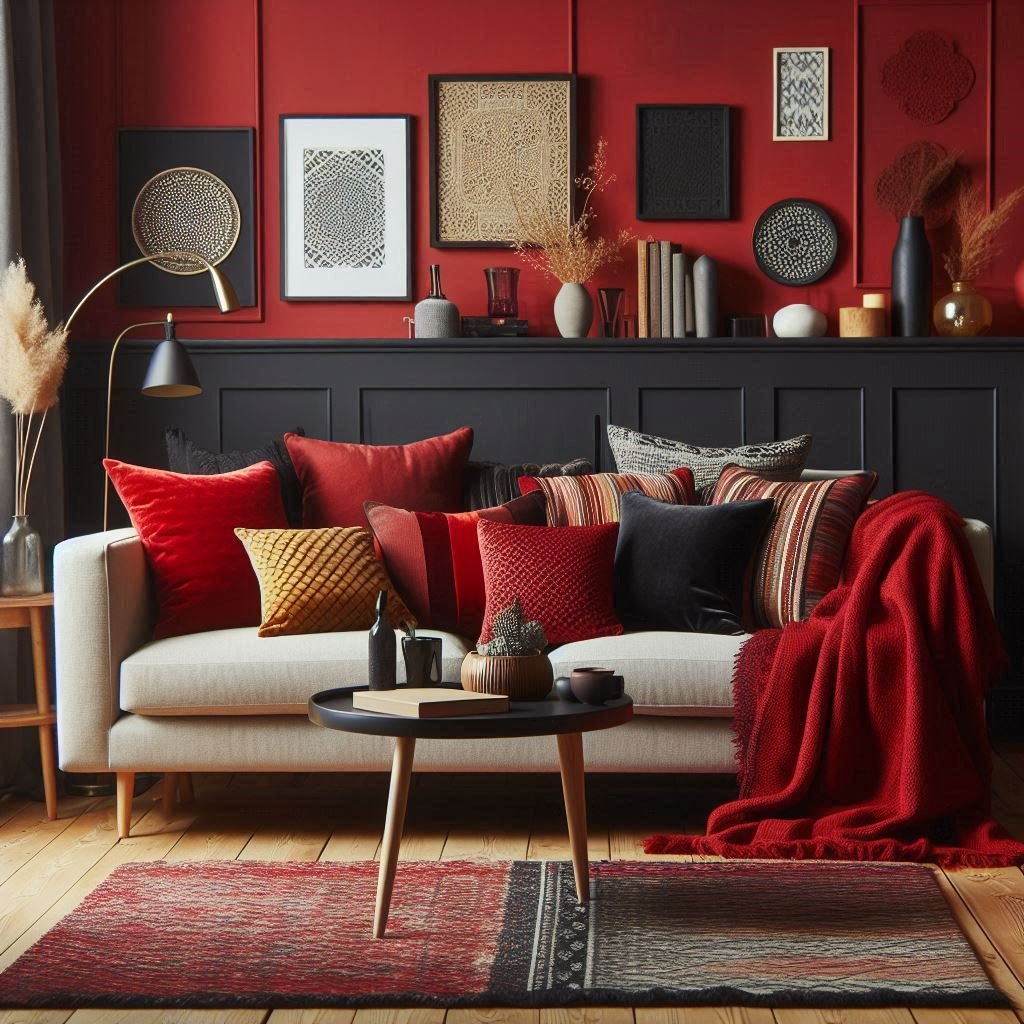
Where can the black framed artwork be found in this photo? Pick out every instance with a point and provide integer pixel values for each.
(498, 141)
(346, 207)
(683, 161)
(186, 189)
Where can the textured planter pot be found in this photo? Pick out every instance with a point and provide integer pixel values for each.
(574, 310)
(911, 281)
(525, 678)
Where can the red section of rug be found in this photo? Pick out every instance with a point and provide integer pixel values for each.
(861, 732)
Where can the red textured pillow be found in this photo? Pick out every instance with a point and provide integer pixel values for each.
(433, 558)
(203, 576)
(337, 478)
(562, 574)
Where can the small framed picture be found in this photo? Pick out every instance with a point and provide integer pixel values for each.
(346, 207)
(801, 93)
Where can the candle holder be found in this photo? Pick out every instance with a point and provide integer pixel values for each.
(610, 301)
(502, 283)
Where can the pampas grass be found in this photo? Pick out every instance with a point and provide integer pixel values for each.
(32, 361)
(563, 249)
(975, 231)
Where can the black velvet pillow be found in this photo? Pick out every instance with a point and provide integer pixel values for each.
(489, 484)
(185, 456)
(682, 567)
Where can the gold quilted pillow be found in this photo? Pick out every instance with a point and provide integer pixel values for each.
(319, 581)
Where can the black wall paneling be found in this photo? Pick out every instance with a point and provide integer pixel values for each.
(939, 414)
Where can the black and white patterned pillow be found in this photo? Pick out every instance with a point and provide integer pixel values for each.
(645, 453)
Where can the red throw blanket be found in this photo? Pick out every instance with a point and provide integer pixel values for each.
(861, 732)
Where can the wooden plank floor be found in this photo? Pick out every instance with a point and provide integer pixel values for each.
(47, 868)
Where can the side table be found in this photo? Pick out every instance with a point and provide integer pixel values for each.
(30, 613)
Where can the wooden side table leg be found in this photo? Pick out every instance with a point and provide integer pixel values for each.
(570, 759)
(125, 795)
(41, 671)
(398, 798)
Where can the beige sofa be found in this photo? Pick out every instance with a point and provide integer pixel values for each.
(229, 700)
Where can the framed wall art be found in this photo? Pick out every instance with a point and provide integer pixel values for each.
(683, 162)
(800, 93)
(346, 207)
(186, 189)
(496, 140)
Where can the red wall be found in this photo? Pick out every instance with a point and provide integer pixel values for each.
(149, 63)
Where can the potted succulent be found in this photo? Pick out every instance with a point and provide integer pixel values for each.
(512, 662)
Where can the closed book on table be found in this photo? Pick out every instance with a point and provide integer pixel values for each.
(428, 702)
(678, 295)
(643, 322)
(666, 289)
(654, 287)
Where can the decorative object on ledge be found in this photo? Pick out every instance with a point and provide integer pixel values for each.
(494, 327)
(346, 207)
(436, 316)
(964, 312)
(497, 141)
(610, 302)
(795, 242)
(683, 162)
(705, 296)
(911, 280)
(382, 649)
(512, 662)
(928, 77)
(861, 322)
(799, 321)
(800, 93)
(574, 310)
(753, 325)
(502, 285)
(186, 190)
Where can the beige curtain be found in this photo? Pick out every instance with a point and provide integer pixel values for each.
(30, 226)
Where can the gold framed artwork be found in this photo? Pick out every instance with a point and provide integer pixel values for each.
(495, 141)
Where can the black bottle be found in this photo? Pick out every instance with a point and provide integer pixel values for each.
(383, 651)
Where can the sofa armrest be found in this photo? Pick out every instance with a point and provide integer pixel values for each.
(102, 613)
(979, 536)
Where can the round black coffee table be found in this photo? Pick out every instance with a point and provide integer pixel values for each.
(566, 722)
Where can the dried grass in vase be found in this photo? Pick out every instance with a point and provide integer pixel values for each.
(920, 182)
(974, 232)
(32, 361)
(565, 250)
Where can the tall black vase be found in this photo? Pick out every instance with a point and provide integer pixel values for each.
(911, 281)
(383, 652)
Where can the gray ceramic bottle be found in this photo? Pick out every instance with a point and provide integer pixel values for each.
(705, 296)
(436, 316)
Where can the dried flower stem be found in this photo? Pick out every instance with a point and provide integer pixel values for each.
(974, 245)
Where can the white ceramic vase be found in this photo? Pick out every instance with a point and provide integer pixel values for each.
(574, 310)
(799, 321)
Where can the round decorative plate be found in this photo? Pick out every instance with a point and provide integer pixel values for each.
(186, 209)
(795, 242)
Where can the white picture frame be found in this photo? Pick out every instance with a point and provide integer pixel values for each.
(801, 88)
(346, 208)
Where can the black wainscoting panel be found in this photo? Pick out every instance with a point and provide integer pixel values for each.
(702, 416)
(834, 417)
(527, 424)
(250, 417)
(944, 440)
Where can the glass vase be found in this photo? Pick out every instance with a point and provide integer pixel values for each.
(22, 572)
(502, 286)
(963, 313)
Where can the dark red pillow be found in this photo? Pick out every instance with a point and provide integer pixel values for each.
(203, 576)
(337, 478)
(433, 558)
(563, 575)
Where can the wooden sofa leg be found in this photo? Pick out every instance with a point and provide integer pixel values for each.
(125, 794)
(186, 794)
(170, 793)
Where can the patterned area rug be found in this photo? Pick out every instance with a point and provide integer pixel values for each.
(236, 933)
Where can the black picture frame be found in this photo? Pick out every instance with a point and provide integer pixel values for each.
(228, 153)
(673, 182)
(433, 81)
(407, 296)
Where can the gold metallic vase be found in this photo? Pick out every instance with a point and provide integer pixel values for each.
(963, 313)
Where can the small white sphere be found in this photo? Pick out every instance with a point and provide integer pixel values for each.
(799, 321)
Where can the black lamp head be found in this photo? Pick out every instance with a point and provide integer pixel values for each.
(170, 373)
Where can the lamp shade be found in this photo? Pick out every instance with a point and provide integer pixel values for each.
(170, 373)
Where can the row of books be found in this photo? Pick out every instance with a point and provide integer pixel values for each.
(664, 291)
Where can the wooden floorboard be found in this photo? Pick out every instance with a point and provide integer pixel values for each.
(47, 868)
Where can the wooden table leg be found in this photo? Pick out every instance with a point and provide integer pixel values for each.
(398, 798)
(125, 794)
(570, 759)
(41, 671)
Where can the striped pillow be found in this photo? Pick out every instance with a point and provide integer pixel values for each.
(594, 499)
(801, 558)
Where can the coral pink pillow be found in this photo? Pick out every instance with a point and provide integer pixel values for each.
(337, 478)
(203, 576)
(564, 576)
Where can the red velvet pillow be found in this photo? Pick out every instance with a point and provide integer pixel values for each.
(203, 576)
(433, 558)
(337, 478)
(562, 574)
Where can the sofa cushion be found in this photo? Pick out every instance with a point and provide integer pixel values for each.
(687, 674)
(237, 672)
